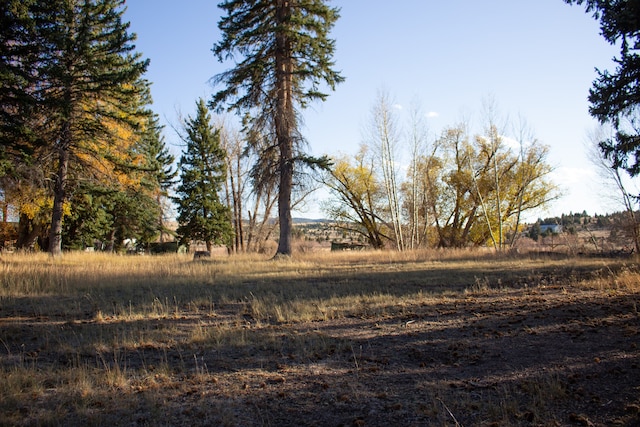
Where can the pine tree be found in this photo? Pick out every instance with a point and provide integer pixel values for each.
(89, 83)
(286, 56)
(159, 165)
(615, 97)
(17, 51)
(201, 214)
(20, 112)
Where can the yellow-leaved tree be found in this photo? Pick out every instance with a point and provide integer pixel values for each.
(91, 89)
(358, 198)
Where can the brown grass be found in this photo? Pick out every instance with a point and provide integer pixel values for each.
(351, 338)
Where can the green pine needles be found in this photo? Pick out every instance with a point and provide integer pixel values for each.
(201, 214)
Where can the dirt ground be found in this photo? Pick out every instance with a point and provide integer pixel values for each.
(551, 354)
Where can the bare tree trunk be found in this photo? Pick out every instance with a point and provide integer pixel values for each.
(237, 205)
(252, 224)
(28, 233)
(417, 145)
(495, 144)
(228, 192)
(284, 126)
(523, 133)
(258, 231)
(234, 184)
(628, 203)
(60, 192)
(5, 210)
(384, 137)
(610, 170)
(111, 242)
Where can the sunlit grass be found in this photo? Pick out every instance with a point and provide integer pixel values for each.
(307, 287)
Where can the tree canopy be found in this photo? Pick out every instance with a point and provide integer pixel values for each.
(615, 96)
(75, 101)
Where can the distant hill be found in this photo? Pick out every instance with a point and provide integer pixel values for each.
(311, 221)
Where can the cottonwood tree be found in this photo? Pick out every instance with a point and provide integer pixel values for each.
(454, 204)
(511, 183)
(422, 191)
(532, 188)
(33, 203)
(383, 138)
(478, 187)
(24, 190)
(358, 198)
(414, 199)
(201, 214)
(487, 181)
(283, 54)
(496, 160)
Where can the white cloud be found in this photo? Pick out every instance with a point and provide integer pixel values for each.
(397, 106)
(573, 175)
(510, 142)
(432, 114)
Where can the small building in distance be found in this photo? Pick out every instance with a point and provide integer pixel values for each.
(550, 228)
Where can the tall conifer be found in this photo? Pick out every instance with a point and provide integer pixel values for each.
(89, 82)
(285, 56)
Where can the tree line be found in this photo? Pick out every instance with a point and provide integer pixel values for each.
(83, 156)
(459, 189)
(82, 152)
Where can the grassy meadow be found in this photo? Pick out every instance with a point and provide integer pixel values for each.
(349, 338)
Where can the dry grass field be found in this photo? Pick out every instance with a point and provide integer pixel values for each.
(334, 339)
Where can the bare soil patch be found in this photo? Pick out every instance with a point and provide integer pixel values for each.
(522, 343)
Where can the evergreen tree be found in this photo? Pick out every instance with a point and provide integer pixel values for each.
(129, 207)
(89, 83)
(615, 97)
(18, 52)
(88, 221)
(286, 56)
(134, 213)
(23, 164)
(534, 231)
(201, 214)
(160, 169)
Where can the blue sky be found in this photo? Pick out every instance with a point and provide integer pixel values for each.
(534, 58)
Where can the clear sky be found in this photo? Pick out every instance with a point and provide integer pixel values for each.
(534, 58)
